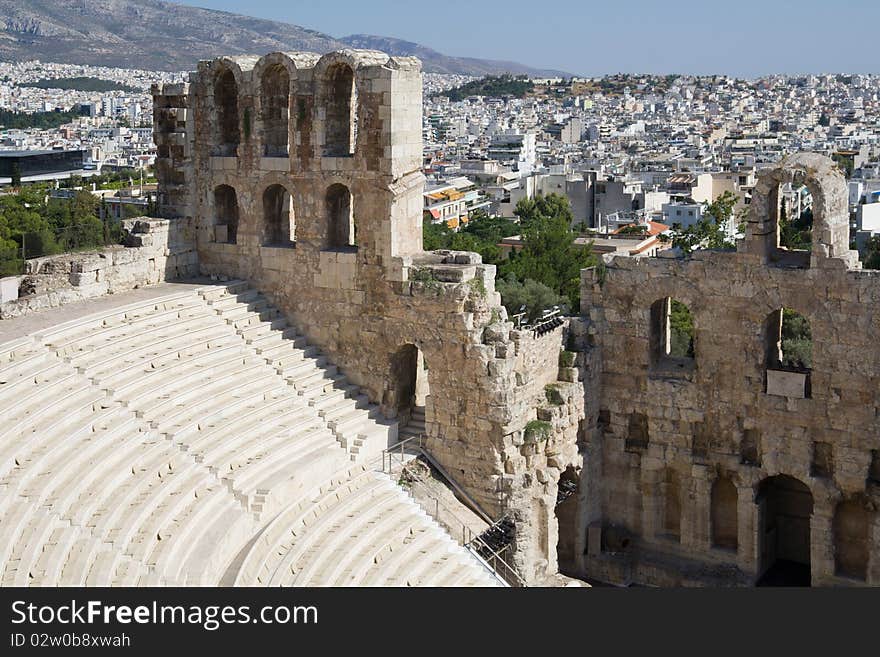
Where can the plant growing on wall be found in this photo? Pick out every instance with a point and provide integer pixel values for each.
(536, 431)
(566, 358)
(553, 395)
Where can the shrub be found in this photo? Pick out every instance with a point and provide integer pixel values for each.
(536, 431)
(536, 297)
(566, 358)
(554, 396)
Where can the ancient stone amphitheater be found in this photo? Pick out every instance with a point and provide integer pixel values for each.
(217, 401)
(189, 436)
(187, 433)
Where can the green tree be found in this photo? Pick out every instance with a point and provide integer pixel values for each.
(796, 233)
(797, 340)
(549, 254)
(681, 330)
(480, 235)
(435, 236)
(845, 163)
(710, 232)
(534, 296)
(872, 253)
(16, 175)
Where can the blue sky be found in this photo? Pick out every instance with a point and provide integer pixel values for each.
(745, 38)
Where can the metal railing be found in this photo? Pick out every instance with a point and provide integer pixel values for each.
(493, 559)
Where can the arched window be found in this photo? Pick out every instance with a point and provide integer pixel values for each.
(275, 110)
(793, 205)
(225, 214)
(851, 523)
(278, 217)
(340, 120)
(724, 514)
(672, 334)
(789, 346)
(340, 217)
(226, 105)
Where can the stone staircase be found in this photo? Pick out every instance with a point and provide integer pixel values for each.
(415, 427)
(149, 444)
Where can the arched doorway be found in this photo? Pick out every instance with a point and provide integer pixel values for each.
(785, 506)
(566, 519)
(724, 521)
(278, 217)
(409, 375)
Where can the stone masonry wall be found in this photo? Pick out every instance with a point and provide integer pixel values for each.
(719, 419)
(155, 251)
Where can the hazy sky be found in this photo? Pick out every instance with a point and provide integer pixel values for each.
(745, 38)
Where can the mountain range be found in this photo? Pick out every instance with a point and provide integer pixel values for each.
(157, 35)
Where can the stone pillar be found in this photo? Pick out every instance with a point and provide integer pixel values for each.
(695, 522)
(652, 501)
(821, 543)
(747, 527)
(873, 578)
(172, 132)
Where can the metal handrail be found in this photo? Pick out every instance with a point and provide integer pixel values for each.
(509, 573)
(502, 569)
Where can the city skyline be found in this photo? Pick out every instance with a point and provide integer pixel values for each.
(686, 38)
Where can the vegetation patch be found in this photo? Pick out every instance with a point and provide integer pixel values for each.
(478, 287)
(426, 278)
(711, 232)
(681, 330)
(82, 84)
(566, 358)
(492, 85)
(37, 120)
(536, 431)
(542, 273)
(797, 341)
(553, 395)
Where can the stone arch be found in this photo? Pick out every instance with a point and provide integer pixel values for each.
(228, 133)
(279, 217)
(724, 518)
(567, 495)
(226, 214)
(341, 229)
(275, 101)
(851, 526)
(830, 211)
(673, 335)
(340, 106)
(785, 508)
(409, 386)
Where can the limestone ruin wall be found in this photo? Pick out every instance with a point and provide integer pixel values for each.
(700, 441)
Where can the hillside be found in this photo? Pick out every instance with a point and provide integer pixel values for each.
(440, 63)
(81, 84)
(157, 35)
(502, 85)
